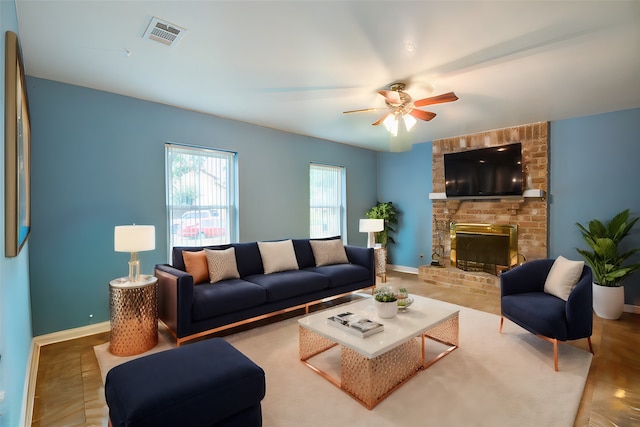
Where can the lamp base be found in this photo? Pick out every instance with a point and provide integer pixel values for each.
(371, 241)
(134, 267)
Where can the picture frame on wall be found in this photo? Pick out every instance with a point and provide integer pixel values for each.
(17, 150)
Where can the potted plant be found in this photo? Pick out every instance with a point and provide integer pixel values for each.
(386, 302)
(387, 212)
(606, 262)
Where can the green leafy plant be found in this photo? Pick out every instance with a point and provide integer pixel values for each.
(385, 294)
(389, 213)
(604, 258)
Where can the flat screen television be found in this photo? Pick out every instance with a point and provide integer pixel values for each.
(491, 171)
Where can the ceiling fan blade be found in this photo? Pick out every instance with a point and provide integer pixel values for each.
(422, 115)
(392, 96)
(381, 119)
(364, 110)
(446, 97)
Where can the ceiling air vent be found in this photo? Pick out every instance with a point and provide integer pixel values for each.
(164, 32)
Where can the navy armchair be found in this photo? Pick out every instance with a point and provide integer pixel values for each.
(525, 302)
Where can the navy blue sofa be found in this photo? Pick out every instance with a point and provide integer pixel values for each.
(191, 310)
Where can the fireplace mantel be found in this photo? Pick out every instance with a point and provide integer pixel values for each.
(533, 193)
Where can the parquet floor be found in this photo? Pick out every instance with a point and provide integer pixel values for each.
(69, 390)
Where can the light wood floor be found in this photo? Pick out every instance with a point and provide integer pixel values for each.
(69, 390)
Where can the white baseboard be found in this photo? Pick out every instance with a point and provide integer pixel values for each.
(70, 334)
(402, 269)
(30, 386)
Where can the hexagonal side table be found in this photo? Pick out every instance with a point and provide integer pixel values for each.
(134, 315)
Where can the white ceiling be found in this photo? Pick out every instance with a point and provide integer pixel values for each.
(297, 65)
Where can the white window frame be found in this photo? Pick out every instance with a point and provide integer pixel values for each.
(201, 201)
(327, 206)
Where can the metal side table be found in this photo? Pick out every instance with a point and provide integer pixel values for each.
(380, 260)
(134, 315)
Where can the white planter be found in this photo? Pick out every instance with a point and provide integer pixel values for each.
(387, 310)
(608, 302)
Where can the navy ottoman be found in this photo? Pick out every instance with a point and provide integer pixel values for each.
(208, 383)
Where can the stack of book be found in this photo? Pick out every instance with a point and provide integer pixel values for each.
(356, 325)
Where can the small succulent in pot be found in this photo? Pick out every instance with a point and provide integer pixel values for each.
(402, 293)
(385, 294)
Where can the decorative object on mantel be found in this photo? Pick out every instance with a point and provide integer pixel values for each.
(606, 262)
(371, 227)
(134, 239)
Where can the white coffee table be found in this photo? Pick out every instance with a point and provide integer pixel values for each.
(373, 367)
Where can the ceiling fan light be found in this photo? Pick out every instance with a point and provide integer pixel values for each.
(409, 121)
(391, 124)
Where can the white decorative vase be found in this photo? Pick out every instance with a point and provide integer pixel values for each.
(608, 301)
(387, 310)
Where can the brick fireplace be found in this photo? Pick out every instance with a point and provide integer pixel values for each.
(526, 214)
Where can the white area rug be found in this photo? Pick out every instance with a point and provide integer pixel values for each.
(492, 380)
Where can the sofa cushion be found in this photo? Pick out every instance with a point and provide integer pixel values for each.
(342, 274)
(278, 256)
(222, 264)
(288, 284)
(196, 265)
(563, 277)
(328, 252)
(304, 253)
(537, 312)
(213, 299)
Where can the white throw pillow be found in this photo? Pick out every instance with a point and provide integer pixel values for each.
(278, 256)
(222, 264)
(328, 252)
(563, 277)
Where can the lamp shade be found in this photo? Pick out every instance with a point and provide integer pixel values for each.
(134, 238)
(371, 225)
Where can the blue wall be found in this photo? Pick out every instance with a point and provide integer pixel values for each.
(593, 174)
(405, 179)
(15, 309)
(98, 161)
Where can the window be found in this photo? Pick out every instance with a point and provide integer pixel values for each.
(201, 196)
(327, 207)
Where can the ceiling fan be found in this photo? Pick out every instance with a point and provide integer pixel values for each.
(401, 104)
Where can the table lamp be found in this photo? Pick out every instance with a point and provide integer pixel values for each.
(371, 226)
(134, 239)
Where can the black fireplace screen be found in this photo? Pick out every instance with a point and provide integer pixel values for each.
(482, 252)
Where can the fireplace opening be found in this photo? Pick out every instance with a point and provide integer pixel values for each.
(484, 247)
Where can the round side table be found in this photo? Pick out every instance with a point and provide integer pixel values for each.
(380, 260)
(134, 315)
